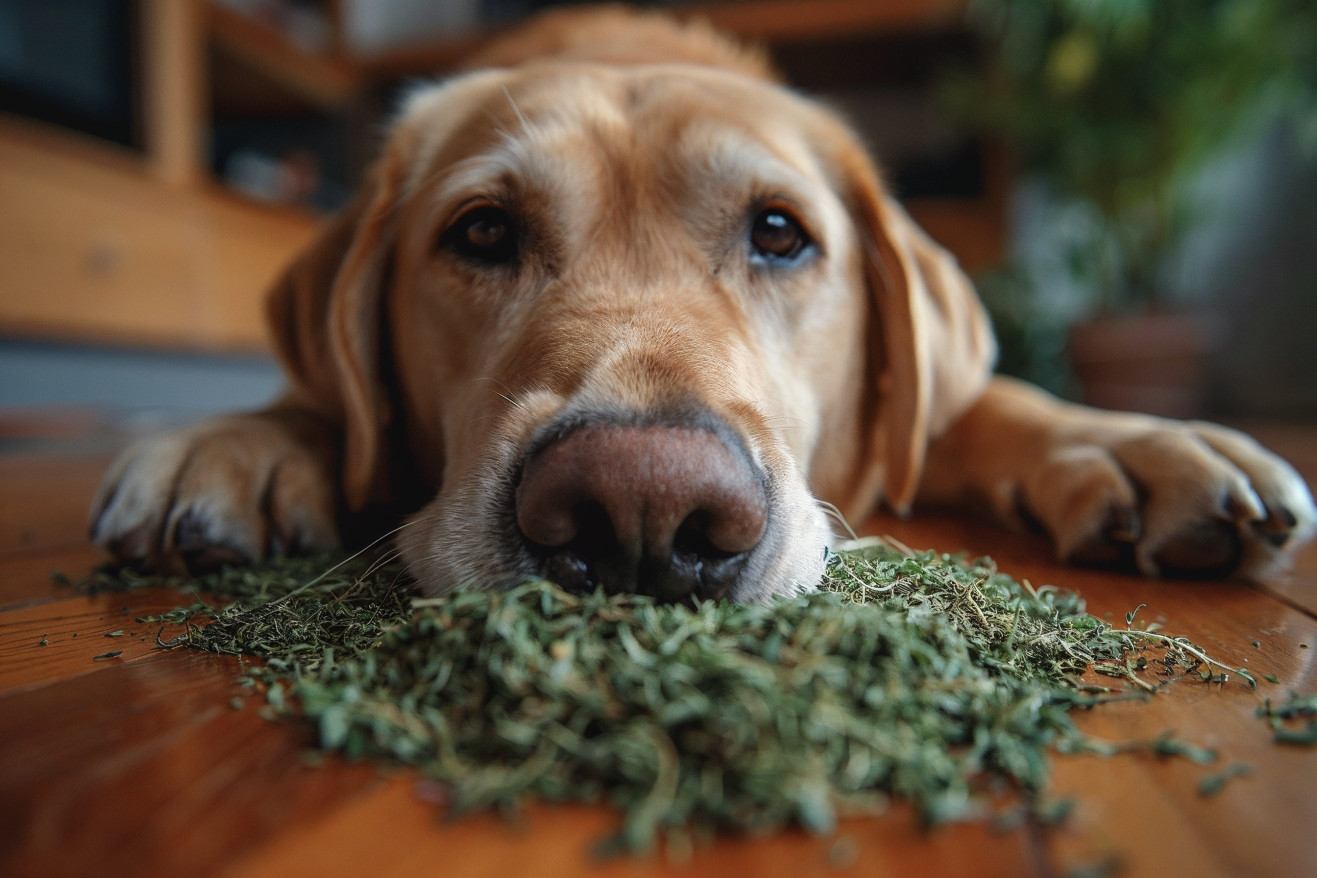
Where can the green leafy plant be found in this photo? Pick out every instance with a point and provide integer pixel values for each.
(1119, 103)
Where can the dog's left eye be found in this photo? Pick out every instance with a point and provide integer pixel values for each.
(777, 237)
(486, 234)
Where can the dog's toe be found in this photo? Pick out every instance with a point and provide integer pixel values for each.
(129, 511)
(1178, 500)
(229, 491)
(1213, 502)
(1206, 549)
(1112, 545)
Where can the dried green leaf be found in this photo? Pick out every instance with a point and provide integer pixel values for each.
(910, 675)
(1212, 784)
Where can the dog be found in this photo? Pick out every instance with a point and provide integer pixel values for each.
(620, 310)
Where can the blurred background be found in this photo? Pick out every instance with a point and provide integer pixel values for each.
(1129, 181)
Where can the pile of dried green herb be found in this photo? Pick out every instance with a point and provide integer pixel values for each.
(909, 675)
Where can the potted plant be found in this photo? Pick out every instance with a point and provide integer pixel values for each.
(1113, 108)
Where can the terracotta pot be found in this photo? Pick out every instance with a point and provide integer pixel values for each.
(1152, 363)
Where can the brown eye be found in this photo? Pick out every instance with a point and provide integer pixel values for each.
(776, 236)
(486, 234)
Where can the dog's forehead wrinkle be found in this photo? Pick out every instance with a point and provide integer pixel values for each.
(732, 153)
(516, 166)
(621, 175)
(437, 112)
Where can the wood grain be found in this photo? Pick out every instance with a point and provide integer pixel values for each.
(62, 640)
(93, 247)
(558, 841)
(140, 765)
(28, 578)
(47, 497)
(146, 769)
(174, 93)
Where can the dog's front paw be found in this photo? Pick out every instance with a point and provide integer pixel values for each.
(1172, 498)
(231, 489)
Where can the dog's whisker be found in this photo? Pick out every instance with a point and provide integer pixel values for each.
(383, 561)
(836, 515)
(525, 126)
(357, 554)
(508, 396)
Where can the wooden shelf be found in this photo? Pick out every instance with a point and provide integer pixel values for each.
(96, 248)
(777, 21)
(102, 244)
(772, 21)
(329, 81)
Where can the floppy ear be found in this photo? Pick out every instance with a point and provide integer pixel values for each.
(326, 314)
(932, 349)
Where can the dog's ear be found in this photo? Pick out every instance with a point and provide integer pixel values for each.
(931, 350)
(326, 315)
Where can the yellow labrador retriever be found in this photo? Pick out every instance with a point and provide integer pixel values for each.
(621, 310)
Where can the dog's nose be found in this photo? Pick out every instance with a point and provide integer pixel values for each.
(660, 510)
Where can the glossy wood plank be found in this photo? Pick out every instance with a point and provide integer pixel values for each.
(44, 499)
(77, 633)
(28, 577)
(559, 841)
(146, 769)
(140, 766)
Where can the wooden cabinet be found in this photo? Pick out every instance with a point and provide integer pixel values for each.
(95, 247)
(100, 243)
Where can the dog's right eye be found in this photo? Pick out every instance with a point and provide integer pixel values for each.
(486, 234)
(777, 238)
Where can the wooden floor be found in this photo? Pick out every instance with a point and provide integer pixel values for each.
(139, 765)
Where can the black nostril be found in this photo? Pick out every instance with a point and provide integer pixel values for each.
(666, 511)
(692, 538)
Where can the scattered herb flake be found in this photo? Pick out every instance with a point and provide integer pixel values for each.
(909, 675)
(106, 656)
(1212, 784)
(1286, 719)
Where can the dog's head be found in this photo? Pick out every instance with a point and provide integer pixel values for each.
(628, 320)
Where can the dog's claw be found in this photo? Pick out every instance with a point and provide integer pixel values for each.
(1123, 525)
(133, 545)
(1236, 508)
(1113, 545)
(1278, 525)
